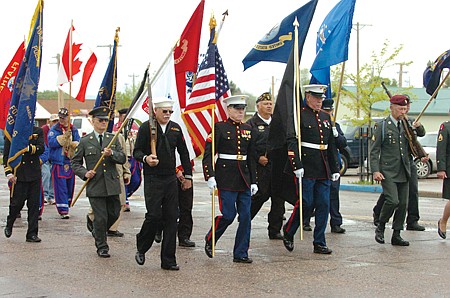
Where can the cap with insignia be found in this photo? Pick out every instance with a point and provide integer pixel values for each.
(327, 104)
(316, 90)
(100, 112)
(53, 117)
(236, 101)
(399, 99)
(123, 111)
(162, 102)
(264, 96)
(63, 112)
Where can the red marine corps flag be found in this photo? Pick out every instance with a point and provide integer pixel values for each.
(77, 64)
(7, 83)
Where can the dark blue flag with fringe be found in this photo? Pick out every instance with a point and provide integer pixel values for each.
(276, 45)
(332, 42)
(20, 119)
(107, 92)
(432, 74)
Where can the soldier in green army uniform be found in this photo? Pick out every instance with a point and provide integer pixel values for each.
(103, 188)
(390, 165)
(443, 172)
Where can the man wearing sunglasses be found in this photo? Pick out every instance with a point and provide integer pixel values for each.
(103, 189)
(160, 182)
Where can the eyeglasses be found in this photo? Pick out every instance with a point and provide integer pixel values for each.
(103, 120)
(167, 111)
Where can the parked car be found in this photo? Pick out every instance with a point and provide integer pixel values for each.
(356, 152)
(83, 124)
(429, 143)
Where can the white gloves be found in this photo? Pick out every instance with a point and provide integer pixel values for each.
(335, 132)
(254, 189)
(299, 173)
(211, 183)
(335, 176)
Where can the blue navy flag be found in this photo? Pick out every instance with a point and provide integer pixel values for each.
(20, 119)
(432, 74)
(277, 43)
(107, 92)
(332, 42)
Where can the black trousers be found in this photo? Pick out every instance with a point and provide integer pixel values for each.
(413, 200)
(161, 202)
(185, 204)
(25, 191)
(335, 214)
(275, 216)
(106, 210)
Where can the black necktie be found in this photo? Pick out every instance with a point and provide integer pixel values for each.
(101, 140)
(398, 125)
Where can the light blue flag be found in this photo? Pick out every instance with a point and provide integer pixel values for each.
(332, 42)
(276, 45)
(20, 119)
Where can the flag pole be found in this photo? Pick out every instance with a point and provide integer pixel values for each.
(432, 97)
(297, 100)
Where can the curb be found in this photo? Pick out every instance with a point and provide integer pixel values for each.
(379, 189)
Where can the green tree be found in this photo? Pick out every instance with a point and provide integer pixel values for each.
(369, 84)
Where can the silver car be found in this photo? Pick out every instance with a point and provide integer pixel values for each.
(428, 142)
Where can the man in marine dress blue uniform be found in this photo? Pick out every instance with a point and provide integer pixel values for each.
(234, 175)
(317, 165)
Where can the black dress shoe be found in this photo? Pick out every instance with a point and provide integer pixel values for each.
(34, 238)
(246, 260)
(320, 249)
(442, 234)
(276, 236)
(8, 232)
(415, 227)
(337, 229)
(171, 267)
(158, 237)
(307, 228)
(288, 242)
(208, 248)
(398, 241)
(140, 258)
(115, 234)
(103, 253)
(379, 235)
(89, 224)
(186, 242)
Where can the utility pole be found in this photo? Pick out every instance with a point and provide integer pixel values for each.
(358, 26)
(60, 93)
(110, 46)
(401, 72)
(133, 76)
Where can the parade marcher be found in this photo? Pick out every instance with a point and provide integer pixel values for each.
(341, 143)
(124, 177)
(443, 171)
(25, 184)
(47, 184)
(63, 138)
(103, 188)
(160, 182)
(234, 175)
(260, 123)
(390, 165)
(316, 167)
(412, 219)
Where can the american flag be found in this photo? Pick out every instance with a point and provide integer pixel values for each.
(211, 87)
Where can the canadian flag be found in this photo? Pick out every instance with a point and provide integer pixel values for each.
(76, 66)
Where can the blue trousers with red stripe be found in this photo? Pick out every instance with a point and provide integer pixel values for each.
(230, 204)
(63, 184)
(315, 194)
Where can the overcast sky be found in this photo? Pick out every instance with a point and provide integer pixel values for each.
(150, 28)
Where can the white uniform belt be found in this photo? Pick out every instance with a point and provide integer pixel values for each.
(232, 156)
(315, 146)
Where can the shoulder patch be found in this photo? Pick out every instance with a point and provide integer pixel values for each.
(440, 138)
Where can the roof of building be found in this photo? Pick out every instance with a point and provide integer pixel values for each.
(75, 107)
(419, 98)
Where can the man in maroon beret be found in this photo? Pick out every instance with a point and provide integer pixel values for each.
(390, 165)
